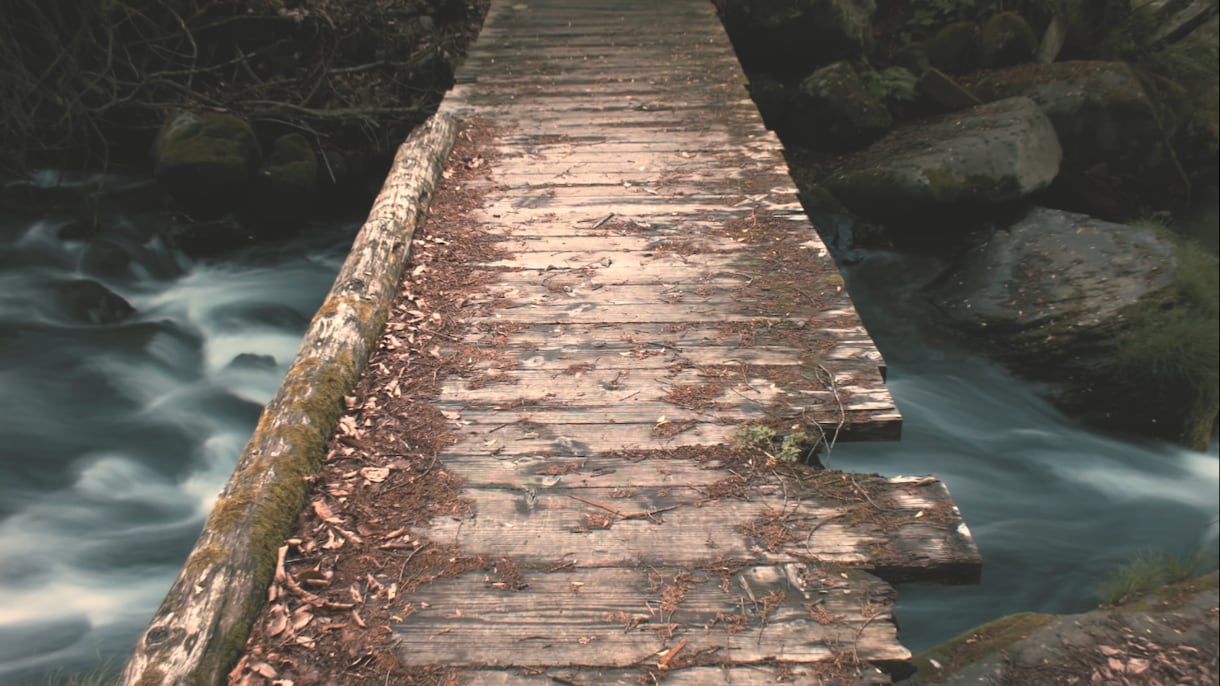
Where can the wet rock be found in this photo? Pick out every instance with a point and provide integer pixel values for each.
(287, 184)
(210, 239)
(1007, 40)
(251, 362)
(105, 258)
(838, 108)
(960, 163)
(89, 302)
(1081, 303)
(797, 35)
(206, 161)
(1110, 132)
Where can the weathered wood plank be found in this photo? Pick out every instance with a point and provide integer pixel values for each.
(627, 617)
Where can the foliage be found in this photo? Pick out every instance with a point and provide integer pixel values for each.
(77, 77)
(894, 86)
(1148, 572)
(928, 16)
(1174, 344)
(796, 446)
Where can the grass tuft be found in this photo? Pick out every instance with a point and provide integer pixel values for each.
(1148, 572)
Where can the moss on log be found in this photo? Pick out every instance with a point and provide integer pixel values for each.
(201, 626)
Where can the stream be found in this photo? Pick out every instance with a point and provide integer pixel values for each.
(115, 438)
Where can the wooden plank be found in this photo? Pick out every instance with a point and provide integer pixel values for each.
(624, 618)
(735, 675)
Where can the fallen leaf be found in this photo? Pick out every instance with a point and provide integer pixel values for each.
(301, 618)
(1108, 651)
(324, 512)
(264, 670)
(375, 474)
(277, 620)
(333, 542)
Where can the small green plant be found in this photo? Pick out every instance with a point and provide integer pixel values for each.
(1148, 572)
(796, 446)
(754, 437)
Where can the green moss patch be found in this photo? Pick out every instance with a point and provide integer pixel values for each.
(950, 656)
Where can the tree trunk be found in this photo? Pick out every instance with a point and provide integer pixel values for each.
(201, 627)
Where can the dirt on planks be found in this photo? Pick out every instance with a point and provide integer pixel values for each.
(345, 574)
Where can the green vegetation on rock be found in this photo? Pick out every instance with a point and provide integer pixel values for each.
(974, 645)
(1172, 345)
(1007, 40)
(1146, 573)
(955, 48)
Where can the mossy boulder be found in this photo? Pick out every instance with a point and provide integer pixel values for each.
(963, 163)
(787, 36)
(1007, 39)
(1112, 138)
(287, 184)
(955, 48)
(206, 161)
(1119, 319)
(838, 108)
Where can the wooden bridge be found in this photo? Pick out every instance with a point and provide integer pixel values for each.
(577, 453)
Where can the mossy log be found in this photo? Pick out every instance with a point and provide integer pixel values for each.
(202, 625)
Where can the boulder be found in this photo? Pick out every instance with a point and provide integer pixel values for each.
(838, 108)
(1165, 636)
(786, 36)
(206, 161)
(959, 163)
(955, 48)
(1111, 135)
(1007, 39)
(88, 302)
(287, 184)
(210, 238)
(1082, 303)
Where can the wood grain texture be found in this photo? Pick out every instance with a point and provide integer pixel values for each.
(640, 307)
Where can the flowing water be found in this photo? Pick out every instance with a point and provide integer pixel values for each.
(114, 439)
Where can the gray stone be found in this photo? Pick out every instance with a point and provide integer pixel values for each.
(1055, 268)
(1108, 127)
(992, 154)
(1109, 315)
